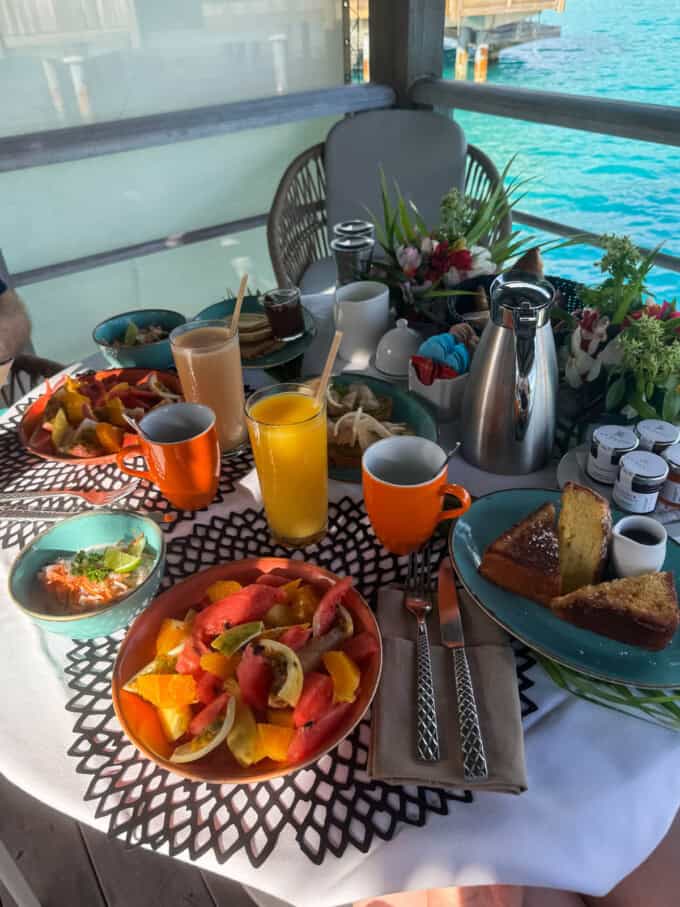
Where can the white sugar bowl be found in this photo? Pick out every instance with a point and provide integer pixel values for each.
(395, 349)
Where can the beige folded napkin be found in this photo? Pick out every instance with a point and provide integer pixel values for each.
(392, 756)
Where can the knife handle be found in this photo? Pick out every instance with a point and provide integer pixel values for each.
(471, 743)
(427, 734)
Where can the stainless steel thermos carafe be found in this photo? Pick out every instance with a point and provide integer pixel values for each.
(508, 416)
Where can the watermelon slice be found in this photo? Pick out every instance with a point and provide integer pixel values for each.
(248, 604)
(311, 737)
(295, 637)
(316, 699)
(254, 675)
(361, 647)
(324, 616)
(206, 716)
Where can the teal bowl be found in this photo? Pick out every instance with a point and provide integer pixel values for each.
(151, 355)
(406, 407)
(65, 539)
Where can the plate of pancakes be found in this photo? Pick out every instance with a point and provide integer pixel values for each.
(259, 347)
(538, 562)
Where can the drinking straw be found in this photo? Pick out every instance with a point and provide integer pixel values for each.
(328, 368)
(239, 302)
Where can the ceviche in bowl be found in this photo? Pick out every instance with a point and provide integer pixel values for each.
(83, 416)
(89, 574)
(248, 670)
(139, 338)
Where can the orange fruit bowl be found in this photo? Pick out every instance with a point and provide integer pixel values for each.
(33, 417)
(139, 718)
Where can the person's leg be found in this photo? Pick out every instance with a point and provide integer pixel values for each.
(656, 883)
(479, 896)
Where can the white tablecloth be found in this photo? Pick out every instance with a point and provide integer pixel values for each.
(603, 788)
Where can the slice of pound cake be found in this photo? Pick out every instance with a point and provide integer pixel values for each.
(638, 610)
(525, 559)
(584, 529)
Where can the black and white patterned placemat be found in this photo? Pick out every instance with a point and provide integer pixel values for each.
(329, 807)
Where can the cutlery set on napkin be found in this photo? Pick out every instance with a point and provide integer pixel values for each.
(461, 725)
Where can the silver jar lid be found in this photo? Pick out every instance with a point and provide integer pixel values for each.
(655, 432)
(519, 295)
(672, 455)
(615, 438)
(354, 227)
(644, 466)
(349, 244)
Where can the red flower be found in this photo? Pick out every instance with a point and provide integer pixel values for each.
(439, 261)
(462, 260)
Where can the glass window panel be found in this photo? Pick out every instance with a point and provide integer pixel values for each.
(68, 62)
(184, 279)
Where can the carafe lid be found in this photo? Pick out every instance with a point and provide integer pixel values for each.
(515, 292)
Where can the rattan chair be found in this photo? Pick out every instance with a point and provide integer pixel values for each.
(27, 372)
(297, 227)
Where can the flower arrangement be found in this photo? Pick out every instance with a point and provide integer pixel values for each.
(428, 262)
(625, 339)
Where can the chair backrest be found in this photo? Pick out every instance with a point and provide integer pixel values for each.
(423, 151)
(27, 372)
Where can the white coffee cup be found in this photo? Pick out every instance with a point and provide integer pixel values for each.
(362, 313)
(632, 558)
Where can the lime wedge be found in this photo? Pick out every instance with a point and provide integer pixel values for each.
(137, 545)
(131, 332)
(232, 640)
(120, 561)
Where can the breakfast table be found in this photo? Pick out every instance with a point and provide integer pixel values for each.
(603, 788)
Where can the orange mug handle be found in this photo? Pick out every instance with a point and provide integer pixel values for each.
(463, 496)
(135, 450)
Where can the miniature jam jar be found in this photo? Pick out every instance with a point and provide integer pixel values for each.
(670, 493)
(641, 478)
(656, 435)
(284, 313)
(609, 443)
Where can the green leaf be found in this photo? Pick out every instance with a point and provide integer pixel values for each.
(643, 408)
(616, 394)
(671, 402)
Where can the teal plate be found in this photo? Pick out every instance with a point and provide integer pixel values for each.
(591, 654)
(407, 407)
(251, 305)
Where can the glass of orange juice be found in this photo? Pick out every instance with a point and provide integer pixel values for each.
(287, 428)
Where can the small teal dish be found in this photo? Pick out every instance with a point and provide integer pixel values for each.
(252, 306)
(406, 407)
(157, 356)
(535, 625)
(65, 539)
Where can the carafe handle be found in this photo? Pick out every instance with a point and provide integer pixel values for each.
(525, 323)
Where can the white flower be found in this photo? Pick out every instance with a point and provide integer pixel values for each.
(482, 263)
(612, 354)
(428, 245)
(409, 259)
(453, 277)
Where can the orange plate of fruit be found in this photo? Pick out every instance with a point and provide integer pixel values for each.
(80, 419)
(247, 671)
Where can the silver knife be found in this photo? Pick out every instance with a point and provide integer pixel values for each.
(471, 743)
(20, 515)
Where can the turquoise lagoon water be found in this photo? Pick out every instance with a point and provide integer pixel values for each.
(625, 49)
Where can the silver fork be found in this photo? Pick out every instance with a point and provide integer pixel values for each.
(418, 602)
(95, 498)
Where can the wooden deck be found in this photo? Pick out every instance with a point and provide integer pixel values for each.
(70, 865)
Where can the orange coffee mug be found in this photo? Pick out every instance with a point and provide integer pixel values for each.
(179, 443)
(404, 486)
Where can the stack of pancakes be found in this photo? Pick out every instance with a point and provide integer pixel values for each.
(255, 337)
